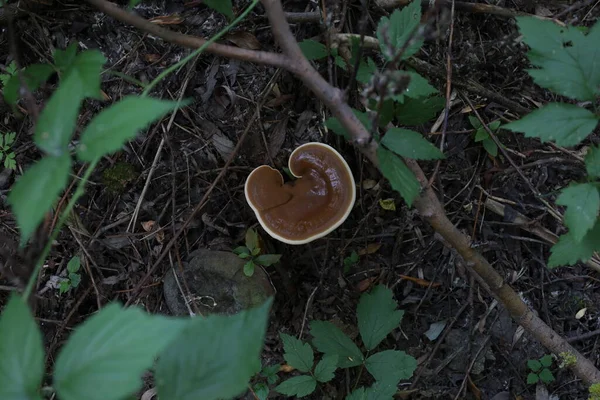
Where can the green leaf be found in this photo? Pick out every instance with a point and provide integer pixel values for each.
(222, 6)
(592, 162)
(261, 391)
(75, 279)
(481, 135)
(214, 357)
(34, 76)
(568, 251)
(546, 376)
(9, 161)
(297, 354)
(325, 369)
(12, 68)
(337, 128)
(475, 123)
(108, 131)
(267, 259)
(397, 29)
(546, 361)
(64, 287)
(391, 365)
(418, 87)
(410, 144)
(116, 345)
(401, 178)
(494, 125)
(491, 147)
(582, 201)
(313, 50)
(569, 124)
(419, 111)
(74, 264)
(270, 372)
(566, 59)
(249, 268)
(241, 250)
(251, 239)
(33, 194)
(56, 123)
(532, 378)
(382, 390)
(377, 315)
(21, 352)
(358, 394)
(329, 339)
(9, 138)
(63, 59)
(299, 386)
(366, 69)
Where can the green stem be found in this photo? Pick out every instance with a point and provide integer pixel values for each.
(63, 217)
(200, 49)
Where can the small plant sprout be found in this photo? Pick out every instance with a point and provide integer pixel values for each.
(74, 278)
(6, 153)
(350, 261)
(267, 376)
(481, 135)
(540, 370)
(251, 253)
(11, 70)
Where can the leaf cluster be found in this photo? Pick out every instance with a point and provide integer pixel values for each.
(397, 96)
(481, 135)
(6, 142)
(251, 252)
(11, 70)
(540, 370)
(565, 62)
(73, 279)
(377, 316)
(209, 358)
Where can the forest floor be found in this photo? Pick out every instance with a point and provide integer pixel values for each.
(483, 356)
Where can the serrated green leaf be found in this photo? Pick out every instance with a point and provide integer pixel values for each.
(568, 251)
(491, 147)
(33, 194)
(583, 202)
(532, 378)
(313, 50)
(329, 339)
(21, 352)
(366, 70)
(9, 138)
(64, 287)
(56, 123)
(299, 386)
(334, 124)
(546, 361)
(297, 354)
(377, 315)
(223, 6)
(112, 128)
(567, 60)
(419, 111)
(116, 345)
(382, 390)
(592, 162)
(401, 178)
(261, 391)
(358, 394)
(391, 365)
(397, 29)
(249, 268)
(251, 239)
(325, 369)
(410, 144)
(34, 76)
(417, 88)
(63, 59)
(74, 264)
(214, 357)
(565, 124)
(546, 376)
(267, 259)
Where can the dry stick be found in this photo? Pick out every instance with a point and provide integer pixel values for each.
(427, 203)
(475, 8)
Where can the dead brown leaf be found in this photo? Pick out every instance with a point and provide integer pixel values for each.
(148, 226)
(245, 40)
(370, 249)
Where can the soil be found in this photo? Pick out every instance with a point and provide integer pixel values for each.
(171, 166)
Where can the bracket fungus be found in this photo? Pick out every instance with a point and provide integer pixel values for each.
(310, 207)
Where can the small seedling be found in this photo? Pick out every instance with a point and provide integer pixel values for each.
(251, 253)
(482, 136)
(268, 376)
(6, 153)
(10, 71)
(74, 278)
(350, 261)
(540, 370)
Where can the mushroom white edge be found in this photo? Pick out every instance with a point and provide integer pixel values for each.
(325, 232)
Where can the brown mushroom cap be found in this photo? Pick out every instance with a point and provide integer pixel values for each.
(312, 206)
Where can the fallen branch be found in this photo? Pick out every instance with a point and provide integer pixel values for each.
(427, 203)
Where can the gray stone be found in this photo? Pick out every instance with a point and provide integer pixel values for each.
(217, 284)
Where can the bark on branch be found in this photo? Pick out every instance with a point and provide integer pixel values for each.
(427, 203)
